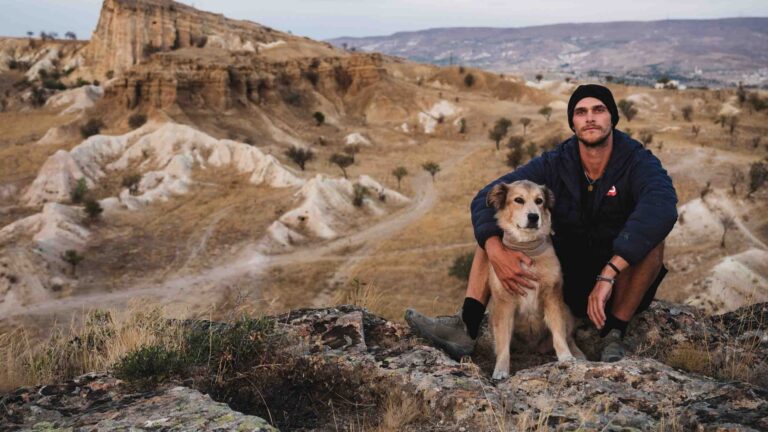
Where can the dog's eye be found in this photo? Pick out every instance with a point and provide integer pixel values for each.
(519, 200)
(538, 201)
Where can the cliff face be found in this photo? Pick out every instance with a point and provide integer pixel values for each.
(128, 31)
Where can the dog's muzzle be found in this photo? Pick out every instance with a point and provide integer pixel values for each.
(533, 220)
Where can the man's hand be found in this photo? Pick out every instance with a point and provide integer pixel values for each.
(596, 302)
(508, 266)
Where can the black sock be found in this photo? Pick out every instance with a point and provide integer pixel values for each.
(472, 314)
(613, 323)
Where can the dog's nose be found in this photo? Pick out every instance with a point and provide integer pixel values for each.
(533, 218)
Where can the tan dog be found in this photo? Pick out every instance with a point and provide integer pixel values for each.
(523, 213)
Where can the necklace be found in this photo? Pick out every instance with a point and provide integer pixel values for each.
(591, 183)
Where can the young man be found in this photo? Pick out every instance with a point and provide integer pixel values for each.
(614, 205)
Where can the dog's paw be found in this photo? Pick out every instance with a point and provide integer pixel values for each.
(499, 375)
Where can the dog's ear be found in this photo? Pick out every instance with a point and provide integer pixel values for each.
(497, 197)
(549, 198)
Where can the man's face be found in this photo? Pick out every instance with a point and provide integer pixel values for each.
(592, 122)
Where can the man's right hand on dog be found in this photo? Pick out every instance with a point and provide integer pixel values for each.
(508, 265)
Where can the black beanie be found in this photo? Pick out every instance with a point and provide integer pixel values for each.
(598, 92)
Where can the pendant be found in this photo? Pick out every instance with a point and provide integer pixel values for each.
(589, 188)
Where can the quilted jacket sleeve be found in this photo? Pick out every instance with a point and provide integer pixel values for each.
(483, 216)
(655, 212)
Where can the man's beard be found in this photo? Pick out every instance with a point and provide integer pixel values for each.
(594, 143)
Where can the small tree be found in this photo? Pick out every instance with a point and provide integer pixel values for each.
(137, 120)
(539, 77)
(342, 161)
(462, 125)
(432, 168)
(515, 141)
(525, 121)
(319, 117)
(300, 155)
(721, 120)
(515, 157)
(359, 193)
(695, 129)
(646, 137)
(399, 173)
(728, 223)
(72, 258)
(687, 112)
(733, 121)
(758, 175)
(93, 209)
(627, 108)
(499, 130)
(70, 35)
(737, 177)
(546, 112)
(469, 80)
(741, 94)
(78, 193)
(532, 149)
(131, 182)
(91, 127)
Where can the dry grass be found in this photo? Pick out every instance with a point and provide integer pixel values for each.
(401, 410)
(100, 340)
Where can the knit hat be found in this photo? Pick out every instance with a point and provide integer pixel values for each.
(598, 92)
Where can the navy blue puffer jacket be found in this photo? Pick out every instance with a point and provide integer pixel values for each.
(637, 215)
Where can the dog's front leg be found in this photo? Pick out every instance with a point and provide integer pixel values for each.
(502, 321)
(555, 316)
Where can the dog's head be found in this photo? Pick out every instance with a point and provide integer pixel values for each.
(522, 209)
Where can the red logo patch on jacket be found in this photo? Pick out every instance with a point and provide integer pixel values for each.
(611, 191)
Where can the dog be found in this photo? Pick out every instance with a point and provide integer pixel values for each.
(523, 213)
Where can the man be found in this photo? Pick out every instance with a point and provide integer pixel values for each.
(614, 205)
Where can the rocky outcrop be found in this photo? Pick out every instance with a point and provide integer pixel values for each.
(640, 392)
(97, 403)
(129, 31)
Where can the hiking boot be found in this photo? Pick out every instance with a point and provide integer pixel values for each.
(613, 347)
(445, 332)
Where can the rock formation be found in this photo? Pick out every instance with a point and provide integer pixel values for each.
(370, 354)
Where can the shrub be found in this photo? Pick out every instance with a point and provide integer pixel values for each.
(515, 157)
(462, 125)
(53, 84)
(461, 266)
(312, 77)
(91, 127)
(149, 365)
(646, 137)
(131, 181)
(150, 49)
(78, 193)
(758, 175)
(525, 121)
(93, 209)
(469, 80)
(110, 74)
(359, 193)
(627, 108)
(300, 156)
(515, 141)
(687, 112)
(342, 77)
(137, 120)
(319, 117)
(81, 82)
(293, 98)
(539, 77)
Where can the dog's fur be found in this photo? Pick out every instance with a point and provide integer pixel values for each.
(542, 308)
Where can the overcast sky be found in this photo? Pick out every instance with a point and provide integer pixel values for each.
(324, 19)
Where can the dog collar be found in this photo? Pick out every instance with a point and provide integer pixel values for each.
(532, 248)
